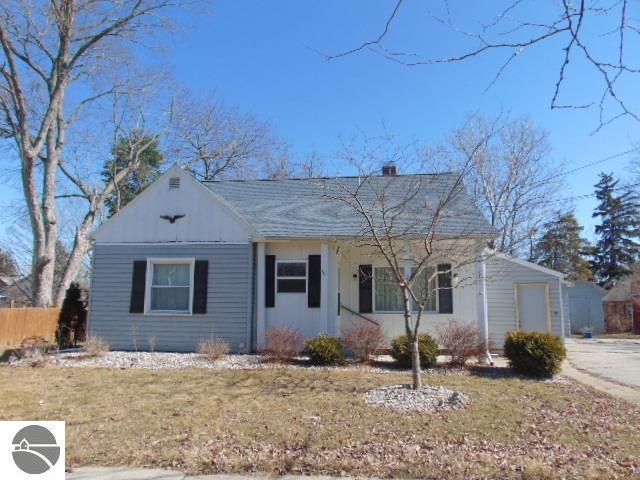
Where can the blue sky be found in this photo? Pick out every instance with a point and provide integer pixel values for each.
(261, 56)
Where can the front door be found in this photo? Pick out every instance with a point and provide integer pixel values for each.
(533, 307)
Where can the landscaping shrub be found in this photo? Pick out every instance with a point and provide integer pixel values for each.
(534, 353)
(214, 348)
(283, 343)
(363, 339)
(325, 350)
(34, 351)
(462, 341)
(427, 347)
(96, 347)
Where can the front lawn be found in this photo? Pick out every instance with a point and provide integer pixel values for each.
(315, 422)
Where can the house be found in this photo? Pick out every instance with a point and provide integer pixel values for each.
(622, 305)
(15, 292)
(188, 260)
(585, 307)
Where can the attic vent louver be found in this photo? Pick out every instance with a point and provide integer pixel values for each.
(174, 183)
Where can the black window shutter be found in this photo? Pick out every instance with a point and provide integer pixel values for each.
(445, 292)
(315, 272)
(270, 281)
(200, 284)
(365, 279)
(138, 286)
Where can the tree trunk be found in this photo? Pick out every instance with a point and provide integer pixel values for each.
(415, 363)
(412, 337)
(81, 246)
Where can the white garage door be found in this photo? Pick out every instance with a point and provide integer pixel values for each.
(533, 307)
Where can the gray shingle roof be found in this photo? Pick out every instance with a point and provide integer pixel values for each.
(312, 208)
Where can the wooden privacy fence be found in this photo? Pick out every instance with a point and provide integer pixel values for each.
(18, 323)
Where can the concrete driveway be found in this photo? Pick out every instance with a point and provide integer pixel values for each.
(612, 359)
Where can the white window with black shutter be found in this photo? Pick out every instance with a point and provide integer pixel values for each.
(379, 291)
(169, 286)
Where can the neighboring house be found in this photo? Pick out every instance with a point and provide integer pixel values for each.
(15, 292)
(622, 305)
(4, 281)
(189, 260)
(585, 307)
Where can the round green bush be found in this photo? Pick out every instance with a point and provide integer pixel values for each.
(535, 354)
(325, 350)
(427, 347)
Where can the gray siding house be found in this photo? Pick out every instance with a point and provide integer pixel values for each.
(187, 260)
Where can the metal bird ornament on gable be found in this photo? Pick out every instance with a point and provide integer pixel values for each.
(172, 218)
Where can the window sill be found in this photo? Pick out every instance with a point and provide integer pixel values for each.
(168, 314)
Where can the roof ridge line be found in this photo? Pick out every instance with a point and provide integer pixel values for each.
(327, 177)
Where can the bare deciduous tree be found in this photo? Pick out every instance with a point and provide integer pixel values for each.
(510, 175)
(92, 193)
(217, 142)
(600, 35)
(281, 164)
(407, 221)
(55, 65)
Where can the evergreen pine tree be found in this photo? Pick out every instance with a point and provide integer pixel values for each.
(8, 266)
(150, 158)
(562, 247)
(617, 247)
(72, 322)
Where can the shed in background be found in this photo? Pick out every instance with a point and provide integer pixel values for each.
(585, 307)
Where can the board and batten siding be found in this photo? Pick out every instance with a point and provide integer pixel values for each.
(228, 307)
(502, 277)
(203, 216)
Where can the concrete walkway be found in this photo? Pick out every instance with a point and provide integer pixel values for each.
(126, 473)
(609, 365)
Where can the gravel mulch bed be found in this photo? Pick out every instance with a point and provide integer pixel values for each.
(403, 399)
(158, 361)
(162, 360)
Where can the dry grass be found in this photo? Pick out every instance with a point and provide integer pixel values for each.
(315, 422)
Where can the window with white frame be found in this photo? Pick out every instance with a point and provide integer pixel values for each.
(388, 296)
(291, 277)
(170, 285)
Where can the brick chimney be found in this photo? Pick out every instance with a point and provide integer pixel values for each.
(389, 170)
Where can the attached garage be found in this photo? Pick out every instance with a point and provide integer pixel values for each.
(523, 296)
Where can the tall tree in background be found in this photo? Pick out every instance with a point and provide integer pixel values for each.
(140, 148)
(216, 141)
(510, 175)
(60, 62)
(619, 229)
(562, 248)
(8, 266)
